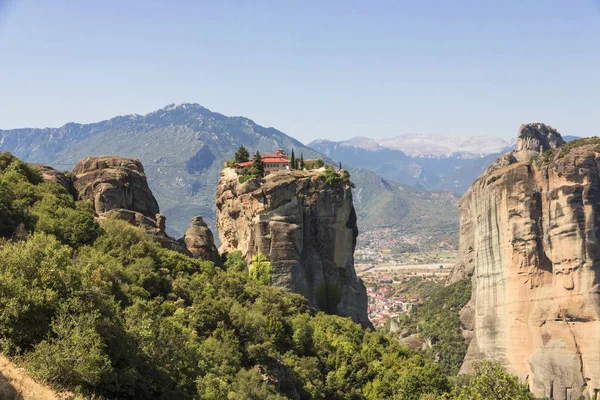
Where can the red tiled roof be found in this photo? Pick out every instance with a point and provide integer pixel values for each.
(275, 159)
(267, 158)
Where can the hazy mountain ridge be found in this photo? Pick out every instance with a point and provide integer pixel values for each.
(182, 148)
(432, 162)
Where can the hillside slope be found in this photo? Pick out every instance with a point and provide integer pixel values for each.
(381, 203)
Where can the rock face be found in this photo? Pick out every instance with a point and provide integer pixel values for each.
(115, 182)
(529, 240)
(305, 227)
(200, 242)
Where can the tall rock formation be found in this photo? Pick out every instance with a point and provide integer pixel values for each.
(529, 237)
(200, 242)
(306, 228)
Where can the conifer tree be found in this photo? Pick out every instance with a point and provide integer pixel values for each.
(242, 155)
(301, 163)
(258, 166)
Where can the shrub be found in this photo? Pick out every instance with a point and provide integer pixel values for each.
(260, 269)
(74, 355)
(491, 381)
(244, 178)
(314, 164)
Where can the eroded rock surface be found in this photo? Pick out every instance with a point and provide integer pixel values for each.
(529, 240)
(305, 227)
(200, 242)
(112, 182)
(51, 174)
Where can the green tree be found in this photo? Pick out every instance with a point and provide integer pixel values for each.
(241, 155)
(235, 262)
(293, 161)
(301, 162)
(260, 269)
(490, 382)
(258, 166)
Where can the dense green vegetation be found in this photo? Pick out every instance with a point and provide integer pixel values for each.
(490, 381)
(437, 323)
(333, 177)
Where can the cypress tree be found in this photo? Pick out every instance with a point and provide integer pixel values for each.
(293, 161)
(301, 163)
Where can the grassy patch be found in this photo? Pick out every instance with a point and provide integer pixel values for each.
(566, 148)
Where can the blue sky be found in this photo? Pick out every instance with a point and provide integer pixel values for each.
(312, 69)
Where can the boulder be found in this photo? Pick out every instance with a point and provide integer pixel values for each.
(112, 182)
(200, 242)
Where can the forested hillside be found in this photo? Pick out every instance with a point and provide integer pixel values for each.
(103, 310)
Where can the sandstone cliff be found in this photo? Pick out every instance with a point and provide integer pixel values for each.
(307, 229)
(529, 239)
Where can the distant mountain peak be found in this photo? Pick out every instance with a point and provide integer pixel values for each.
(429, 145)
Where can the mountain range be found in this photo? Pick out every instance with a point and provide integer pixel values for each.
(432, 162)
(183, 147)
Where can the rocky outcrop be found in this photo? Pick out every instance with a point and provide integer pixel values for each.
(118, 189)
(536, 138)
(305, 227)
(111, 182)
(51, 174)
(200, 242)
(529, 240)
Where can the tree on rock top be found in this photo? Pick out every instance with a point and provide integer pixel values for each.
(242, 155)
(258, 166)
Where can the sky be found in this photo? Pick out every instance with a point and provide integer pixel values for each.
(312, 69)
